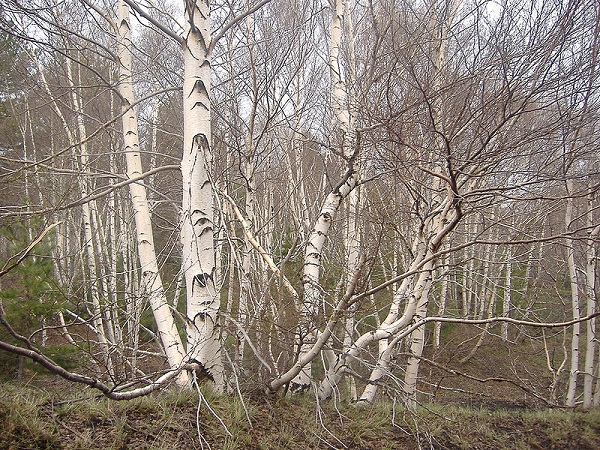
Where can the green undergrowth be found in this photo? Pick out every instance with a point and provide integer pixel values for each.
(34, 418)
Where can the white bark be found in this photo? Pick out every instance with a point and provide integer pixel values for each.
(197, 229)
(96, 311)
(590, 292)
(316, 240)
(352, 244)
(388, 328)
(570, 248)
(506, 299)
(245, 297)
(419, 298)
(444, 288)
(151, 281)
(311, 274)
(443, 213)
(89, 235)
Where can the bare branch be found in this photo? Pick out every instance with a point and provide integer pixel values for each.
(154, 22)
(233, 22)
(23, 253)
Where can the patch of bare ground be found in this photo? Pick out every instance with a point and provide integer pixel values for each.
(500, 374)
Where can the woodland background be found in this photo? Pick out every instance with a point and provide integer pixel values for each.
(350, 200)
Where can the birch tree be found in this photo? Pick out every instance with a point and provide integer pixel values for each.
(151, 280)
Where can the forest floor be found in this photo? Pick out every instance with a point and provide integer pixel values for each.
(493, 401)
(30, 418)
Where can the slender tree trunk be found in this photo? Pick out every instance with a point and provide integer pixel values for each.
(570, 247)
(197, 229)
(506, 299)
(87, 208)
(249, 169)
(417, 343)
(312, 267)
(312, 259)
(151, 281)
(437, 330)
(590, 292)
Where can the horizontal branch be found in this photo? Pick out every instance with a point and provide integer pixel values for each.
(107, 390)
(456, 248)
(104, 192)
(89, 137)
(526, 323)
(111, 392)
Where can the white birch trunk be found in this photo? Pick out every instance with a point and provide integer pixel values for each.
(506, 300)
(316, 241)
(417, 344)
(311, 279)
(151, 282)
(590, 292)
(435, 229)
(353, 251)
(574, 364)
(197, 222)
(388, 328)
(250, 193)
(437, 329)
(418, 299)
(95, 312)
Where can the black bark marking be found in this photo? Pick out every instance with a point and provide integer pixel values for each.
(201, 39)
(198, 212)
(201, 105)
(206, 230)
(200, 86)
(202, 373)
(298, 388)
(202, 279)
(201, 221)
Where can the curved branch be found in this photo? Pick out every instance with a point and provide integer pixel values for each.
(139, 11)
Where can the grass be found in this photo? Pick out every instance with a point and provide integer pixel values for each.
(32, 418)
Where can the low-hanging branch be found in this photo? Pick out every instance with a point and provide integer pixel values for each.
(111, 392)
(323, 337)
(108, 391)
(527, 323)
(297, 367)
(462, 246)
